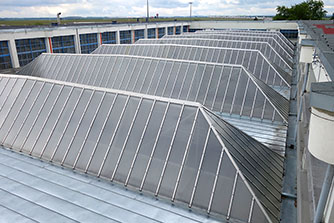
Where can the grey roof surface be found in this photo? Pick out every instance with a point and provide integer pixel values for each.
(264, 47)
(278, 36)
(123, 137)
(282, 50)
(322, 95)
(222, 88)
(37, 191)
(253, 60)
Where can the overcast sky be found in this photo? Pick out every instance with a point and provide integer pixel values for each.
(137, 8)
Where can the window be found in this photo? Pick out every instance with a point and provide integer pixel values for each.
(161, 32)
(29, 49)
(178, 30)
(5, 61)
(170, 30)
(63, 44)
(125, 37)
(88, 42)
(151, 33)
(108, 38)
(139, 34)
(290, 33)
(185, 29)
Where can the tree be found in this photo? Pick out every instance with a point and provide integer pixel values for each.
(308, 10)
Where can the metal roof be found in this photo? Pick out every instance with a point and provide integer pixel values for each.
(223, 88)
(174, 149)
(35, 191)
(253, 60)
(283, 51)
(278, 36)
(264, 47)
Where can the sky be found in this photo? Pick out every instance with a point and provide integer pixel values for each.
(137, 8)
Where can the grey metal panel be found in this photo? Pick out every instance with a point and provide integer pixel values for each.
(262, 67)
(156, 153)
(263, 47)
(127, 205)
(194, 87)
(263, 179)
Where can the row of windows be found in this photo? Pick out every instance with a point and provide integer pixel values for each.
(5, 61)
(29, 49)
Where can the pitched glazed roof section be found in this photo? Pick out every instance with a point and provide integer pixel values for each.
(264, 47)
(173, 149)
(278, 36)
(222, 88)
(280, 49)
(253, 60)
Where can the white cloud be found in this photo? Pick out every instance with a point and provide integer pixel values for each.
(137, 8)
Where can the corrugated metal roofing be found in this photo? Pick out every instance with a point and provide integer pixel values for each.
(279, 48)
(253, 60)
(171, 148)
(222, 88)
(264, 47)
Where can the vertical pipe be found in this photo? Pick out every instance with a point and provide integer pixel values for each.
(324, 194)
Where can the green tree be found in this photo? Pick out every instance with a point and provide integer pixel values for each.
(310, 9)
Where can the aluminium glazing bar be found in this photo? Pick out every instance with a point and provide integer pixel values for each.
(66, 125)
(139, 144)
(216, 179)
(113, 136)
(235, 92)
(27, 114)
(100, 133)
(199, 167)
(145, 76)
(200, 82)
(126, 140)
(88, 131)
(154, 147)
(56, 122)
(185, 155)
(77, 127)
(178, 71)
(131, 75)
(232, 195)
(36, 117)
(11, 106)
(226, 89)
(251, 211)
(208, 87)
(18, 113)
(46, 119)
(217, 88)
(169, 151)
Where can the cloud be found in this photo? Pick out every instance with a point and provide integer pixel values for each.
(137, 8)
